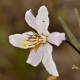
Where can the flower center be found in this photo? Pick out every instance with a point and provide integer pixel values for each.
(36, 40)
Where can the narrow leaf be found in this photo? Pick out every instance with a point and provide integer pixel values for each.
(77, 15)
(69, 33)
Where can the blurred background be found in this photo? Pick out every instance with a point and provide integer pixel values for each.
(13, 64)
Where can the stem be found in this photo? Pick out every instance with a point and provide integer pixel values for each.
(72, 45)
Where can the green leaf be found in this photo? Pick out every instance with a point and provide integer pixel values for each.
(69, 33)
(78, 68)
(77, 15)
(75, 67)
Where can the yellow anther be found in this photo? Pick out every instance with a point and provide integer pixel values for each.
(24, 44)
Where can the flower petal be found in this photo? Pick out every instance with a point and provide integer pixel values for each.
(42, 20)
(17, 40)
(35, 58)
(56, 38)
(47, 60)
(31, 20)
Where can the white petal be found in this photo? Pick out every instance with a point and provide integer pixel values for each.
(35, 58)
(56, 38)
(17, 40)
(42, 20)
(47, 60)
(31, 20)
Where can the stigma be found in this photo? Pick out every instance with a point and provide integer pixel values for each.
(25, 43)
(36, 40)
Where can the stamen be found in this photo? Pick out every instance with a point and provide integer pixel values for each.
(30, 35)
(36, 47)
(36, 34)
(34, 38)
(32, 48)
(38, 39)
(27, 40)
(30, 40)
(33, 44)
(24, 44)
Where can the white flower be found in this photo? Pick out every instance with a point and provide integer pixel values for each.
(41, 49)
